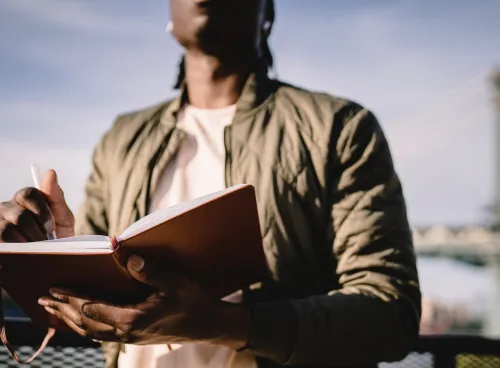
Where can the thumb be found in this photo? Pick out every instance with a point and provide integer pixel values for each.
(63, 217)
(163, 278)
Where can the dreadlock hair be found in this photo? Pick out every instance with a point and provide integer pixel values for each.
(181, 74)
(267, 60)
(269, 16)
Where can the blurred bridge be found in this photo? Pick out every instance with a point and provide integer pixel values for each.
(475, 244)
(478, 245)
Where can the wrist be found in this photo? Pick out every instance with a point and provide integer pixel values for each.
(233, 323)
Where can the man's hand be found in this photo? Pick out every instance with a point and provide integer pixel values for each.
(31, 214)
(179, 312)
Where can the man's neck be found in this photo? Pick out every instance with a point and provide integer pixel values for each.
(212, 84)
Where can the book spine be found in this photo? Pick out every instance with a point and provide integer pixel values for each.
(114, 242)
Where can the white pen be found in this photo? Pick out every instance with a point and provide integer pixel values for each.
(35, 174)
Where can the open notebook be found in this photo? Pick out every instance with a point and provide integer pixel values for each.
(99, 244)
(215, 239)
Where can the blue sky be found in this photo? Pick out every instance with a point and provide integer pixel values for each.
(67, 68)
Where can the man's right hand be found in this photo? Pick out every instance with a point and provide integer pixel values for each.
(31, 214)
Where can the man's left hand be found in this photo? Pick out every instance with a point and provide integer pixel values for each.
(178, 312)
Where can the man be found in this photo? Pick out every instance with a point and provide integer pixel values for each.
(342, 287)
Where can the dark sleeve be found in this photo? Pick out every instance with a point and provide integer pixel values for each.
(375, 315)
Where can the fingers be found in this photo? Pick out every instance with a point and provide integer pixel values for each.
(121, 318)
(71, 314)
(150, 273)
(9, 233)
(50, 187)
(33, 200)
(69, 322)
(63, 217)
(23, 220)
(33, 213)
(26, 217)
(64, 311)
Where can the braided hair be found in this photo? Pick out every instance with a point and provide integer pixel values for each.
(266, 57)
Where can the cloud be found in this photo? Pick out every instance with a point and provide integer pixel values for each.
(445, 155)
(401, 59)
(52, 125)
(443, 120)
(80, 16)
(106, 55)
(431, 94)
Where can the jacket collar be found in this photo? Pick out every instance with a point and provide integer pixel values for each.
(257, 89)
(163, 146)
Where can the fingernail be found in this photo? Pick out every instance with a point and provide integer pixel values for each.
(55, 176)
(55, 293)
(136, 263)
(50, 310)
(85, 310)
(49, 227)
(43, 302)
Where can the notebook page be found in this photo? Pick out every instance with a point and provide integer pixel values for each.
(80, 238)
(161, 216)
(78, 244)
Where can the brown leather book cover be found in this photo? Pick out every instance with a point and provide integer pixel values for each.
(217, 242)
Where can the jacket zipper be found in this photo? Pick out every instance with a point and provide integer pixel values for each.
(227, 164)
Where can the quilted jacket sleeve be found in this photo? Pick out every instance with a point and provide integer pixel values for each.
(92, 217)
(375, 314)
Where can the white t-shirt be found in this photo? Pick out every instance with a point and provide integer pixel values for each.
(198, 169)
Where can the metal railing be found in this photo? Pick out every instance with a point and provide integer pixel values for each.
(64, 350)
(451, 352)
(70, 350)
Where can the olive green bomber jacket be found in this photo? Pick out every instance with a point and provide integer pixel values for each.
(343, 286)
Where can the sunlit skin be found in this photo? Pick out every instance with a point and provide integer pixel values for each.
(178, 312)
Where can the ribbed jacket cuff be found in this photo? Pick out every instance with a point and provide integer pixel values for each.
(273, 331)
